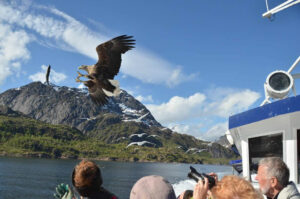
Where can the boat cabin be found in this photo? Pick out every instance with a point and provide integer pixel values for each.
(269, 130)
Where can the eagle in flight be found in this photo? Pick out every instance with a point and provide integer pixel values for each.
(100, 76)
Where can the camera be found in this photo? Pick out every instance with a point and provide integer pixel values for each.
(195, 175)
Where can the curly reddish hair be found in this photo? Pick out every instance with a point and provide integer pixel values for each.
(234, 187)
(86, 177)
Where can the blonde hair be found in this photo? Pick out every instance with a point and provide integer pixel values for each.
(234, 187)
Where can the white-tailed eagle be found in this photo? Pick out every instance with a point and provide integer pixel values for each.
(100, 76)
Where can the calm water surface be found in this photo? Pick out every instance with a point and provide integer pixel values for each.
(37, 178)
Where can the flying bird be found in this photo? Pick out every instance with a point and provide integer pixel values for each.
(101, 83)
(48, 74)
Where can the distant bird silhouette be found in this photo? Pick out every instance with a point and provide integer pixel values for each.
(48, 74)
(100, 76)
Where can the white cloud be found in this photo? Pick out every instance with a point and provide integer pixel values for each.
(224, 102)
(236, 102)
(197, 130)
(69, 34)
(144, 99)
(12, 50)
(216, 104)
(178, 108)
(81, 85)
(54, 77)
(150, 68)
(215, 132)
(191, 129)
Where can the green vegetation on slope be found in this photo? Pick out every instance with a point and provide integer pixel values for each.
(22, 136)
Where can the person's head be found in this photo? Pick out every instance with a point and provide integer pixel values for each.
(272, 175)
(188, 194)
(149, 187)
(234, 187)
(86, 178)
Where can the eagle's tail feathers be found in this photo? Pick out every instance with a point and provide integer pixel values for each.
(116, 91)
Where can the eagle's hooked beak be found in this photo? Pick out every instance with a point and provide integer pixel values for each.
(82, 67)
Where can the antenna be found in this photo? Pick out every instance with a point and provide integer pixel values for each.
(278, 8)
(279, 83)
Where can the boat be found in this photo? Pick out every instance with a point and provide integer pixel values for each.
(272, 129)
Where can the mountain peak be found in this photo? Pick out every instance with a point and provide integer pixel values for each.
(72, 106)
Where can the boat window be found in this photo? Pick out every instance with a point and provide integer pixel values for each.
(264, 146)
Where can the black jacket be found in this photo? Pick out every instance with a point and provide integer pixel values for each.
(101, 194)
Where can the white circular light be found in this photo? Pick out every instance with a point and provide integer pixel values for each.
(279, 84)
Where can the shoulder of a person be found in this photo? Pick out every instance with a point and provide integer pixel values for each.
(289, 192)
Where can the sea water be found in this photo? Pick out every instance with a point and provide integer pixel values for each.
(37, 178)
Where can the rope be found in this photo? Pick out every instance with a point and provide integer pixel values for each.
(267, 5)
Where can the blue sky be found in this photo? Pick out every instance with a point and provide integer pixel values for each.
(195, 62)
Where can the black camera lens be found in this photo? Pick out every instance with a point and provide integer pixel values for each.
(195, 175)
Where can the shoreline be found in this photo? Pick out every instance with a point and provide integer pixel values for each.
(106, 159)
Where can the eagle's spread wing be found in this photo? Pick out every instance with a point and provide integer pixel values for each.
(96, 92)
(109, 55)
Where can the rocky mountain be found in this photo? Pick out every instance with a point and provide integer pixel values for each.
(223, 141)
(123, 120)
(72, 106)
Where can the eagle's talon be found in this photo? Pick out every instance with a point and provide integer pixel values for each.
(82, 75)
(78, 80)
(79, 74)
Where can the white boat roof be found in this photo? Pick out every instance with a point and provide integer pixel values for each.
(284, 106)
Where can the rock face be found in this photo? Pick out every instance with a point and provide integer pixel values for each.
(123, 119)
(5, 110)
(223, 141)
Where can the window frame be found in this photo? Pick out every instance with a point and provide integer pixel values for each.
(256, 135)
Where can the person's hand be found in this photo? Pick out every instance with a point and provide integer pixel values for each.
(181, 195)
(214, 175)
(63, 191)
(201, 189)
